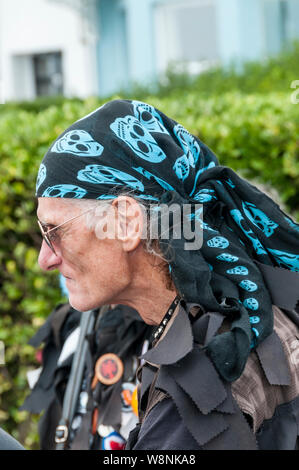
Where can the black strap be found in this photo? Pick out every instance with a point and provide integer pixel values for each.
(75, 381)
(81, 440)
(283, 285)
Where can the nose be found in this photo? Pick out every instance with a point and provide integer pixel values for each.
(47, 259)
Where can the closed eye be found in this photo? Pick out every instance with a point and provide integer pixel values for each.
(53, 235)
(47, 227)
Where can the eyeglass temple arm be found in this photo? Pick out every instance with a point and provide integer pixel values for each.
(69, 220)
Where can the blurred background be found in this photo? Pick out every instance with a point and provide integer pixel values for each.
(228, 70)
(98, 47)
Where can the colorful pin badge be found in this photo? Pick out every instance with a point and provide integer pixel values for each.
(109, 369)
(113, 442)
(126, 396)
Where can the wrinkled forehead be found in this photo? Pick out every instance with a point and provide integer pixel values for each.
(53, 210)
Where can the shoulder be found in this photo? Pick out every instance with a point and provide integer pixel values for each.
(164, 429)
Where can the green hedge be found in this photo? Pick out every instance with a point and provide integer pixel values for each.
(256, 135)
(272, 74)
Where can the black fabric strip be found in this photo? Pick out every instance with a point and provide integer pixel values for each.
(206, 327)
(57, 321)
(238, 436)
(202, 427)
(229, 405)
(110, 415)
(180, 335)
(148, 374)
(272, 358)
(197, 376)
(42, 334)
(38, 400)
(282, 284)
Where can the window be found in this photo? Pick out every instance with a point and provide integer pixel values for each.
(48, 74)
(281, 20)
(186, 33)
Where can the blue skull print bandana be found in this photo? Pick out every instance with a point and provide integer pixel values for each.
(130, 145)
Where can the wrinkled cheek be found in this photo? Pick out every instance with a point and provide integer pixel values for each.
(75, 260)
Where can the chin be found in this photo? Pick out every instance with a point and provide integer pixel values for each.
(84, 298)
(81, 306)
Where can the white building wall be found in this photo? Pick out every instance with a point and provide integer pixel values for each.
(30, 27)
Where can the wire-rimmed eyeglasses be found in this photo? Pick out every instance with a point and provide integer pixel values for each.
(48, 235)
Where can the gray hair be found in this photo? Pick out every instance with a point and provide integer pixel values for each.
(151, 246)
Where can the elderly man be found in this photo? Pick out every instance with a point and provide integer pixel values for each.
(221, 372)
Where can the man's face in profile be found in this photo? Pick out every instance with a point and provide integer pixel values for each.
(96, 270)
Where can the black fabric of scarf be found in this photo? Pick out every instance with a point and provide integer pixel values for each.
(130, 145)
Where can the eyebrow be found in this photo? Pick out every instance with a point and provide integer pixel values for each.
(43, 221)
(45, 224)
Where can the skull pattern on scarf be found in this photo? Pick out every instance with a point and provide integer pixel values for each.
(131, 145)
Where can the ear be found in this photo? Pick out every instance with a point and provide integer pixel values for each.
(130, 221)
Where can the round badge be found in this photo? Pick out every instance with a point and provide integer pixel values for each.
(126, 396)
(113, 441)
(109, 369)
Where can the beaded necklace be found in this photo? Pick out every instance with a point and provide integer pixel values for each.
(161, 327)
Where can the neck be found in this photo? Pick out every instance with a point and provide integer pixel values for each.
(152, 307)
(149, 292)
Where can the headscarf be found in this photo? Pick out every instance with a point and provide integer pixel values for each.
(130, 145)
